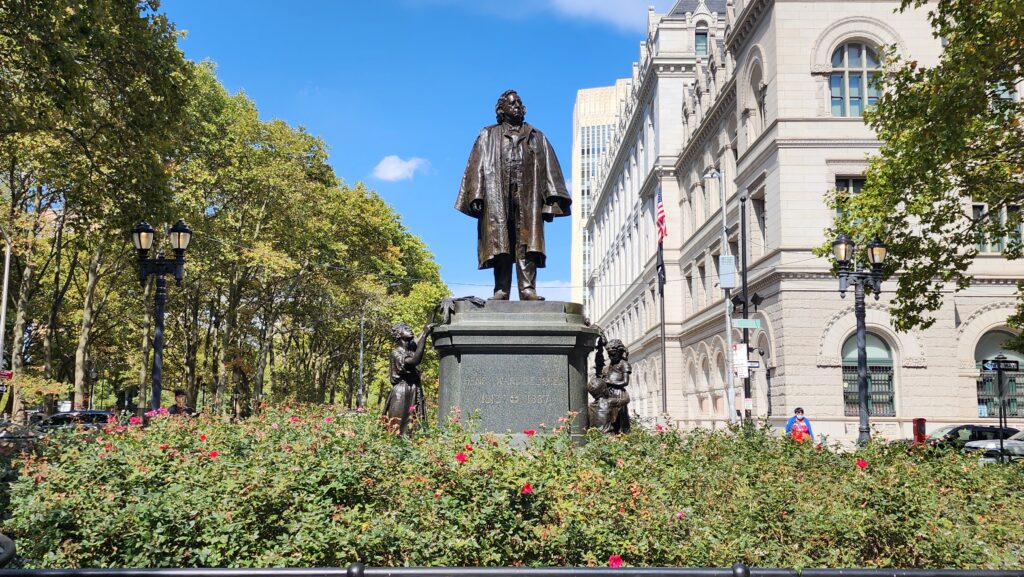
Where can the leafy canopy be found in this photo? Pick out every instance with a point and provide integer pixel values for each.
(952, 139)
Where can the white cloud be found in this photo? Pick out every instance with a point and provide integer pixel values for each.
(624, 14)
(393, 168)
(627, 15)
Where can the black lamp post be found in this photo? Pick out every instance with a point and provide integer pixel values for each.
(142, 236)
(844, 250)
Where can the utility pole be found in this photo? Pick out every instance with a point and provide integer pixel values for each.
(726, 260)
(746, 303)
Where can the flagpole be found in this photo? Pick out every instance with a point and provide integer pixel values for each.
(659, 220)
(664, 364)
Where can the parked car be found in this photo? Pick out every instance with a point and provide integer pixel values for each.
(90, 419)
(1012, 446)
(957, 436)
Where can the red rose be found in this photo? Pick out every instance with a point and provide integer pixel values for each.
(469, 447)
(659, 428)
(214, 454)
(163, 446)
(862, 464)
(529, 432)
(527, 489)
(615, 561)
(461, 457)
(202, 437)
(294, 419)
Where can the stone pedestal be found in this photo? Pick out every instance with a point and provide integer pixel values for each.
(515, 364)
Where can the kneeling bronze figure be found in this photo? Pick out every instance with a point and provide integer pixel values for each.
(609, 411)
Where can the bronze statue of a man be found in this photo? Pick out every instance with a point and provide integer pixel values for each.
(405, 408)
(512, 184)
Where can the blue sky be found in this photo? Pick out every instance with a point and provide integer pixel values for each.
(399, 89)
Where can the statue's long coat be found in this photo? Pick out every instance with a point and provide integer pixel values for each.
(487, 178)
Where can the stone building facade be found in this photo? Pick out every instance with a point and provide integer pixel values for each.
(770, 93)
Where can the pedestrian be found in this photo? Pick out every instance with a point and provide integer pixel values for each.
(180, 406)
(799, 427)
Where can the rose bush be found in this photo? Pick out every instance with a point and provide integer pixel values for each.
(302, 487)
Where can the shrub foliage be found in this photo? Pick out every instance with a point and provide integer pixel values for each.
(301, 487)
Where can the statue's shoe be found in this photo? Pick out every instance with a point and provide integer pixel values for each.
(499, 295)
(530, 295)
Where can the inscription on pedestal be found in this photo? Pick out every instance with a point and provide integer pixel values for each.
(515, 392)
(516, 365)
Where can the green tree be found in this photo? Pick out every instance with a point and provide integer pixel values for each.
(949, 177)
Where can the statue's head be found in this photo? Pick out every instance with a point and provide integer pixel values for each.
(510, 108)
(401, 332)
(616, 349)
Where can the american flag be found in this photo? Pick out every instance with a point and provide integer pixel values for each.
(659, 217)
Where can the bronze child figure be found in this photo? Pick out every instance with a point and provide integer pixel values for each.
(512, 185)
(609, 411)
(405, 408)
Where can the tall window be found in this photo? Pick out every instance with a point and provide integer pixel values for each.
(588, 252)
(700, 39)
(849, 184)
(702, 298)
(989, 346)
(760, 237)
(854, 81)
(691, 297)
(1008, 216)
(880, 377)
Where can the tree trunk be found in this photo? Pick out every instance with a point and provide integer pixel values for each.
(81, 372)
(266, 336)
(192, 349)
(228, 350)
(18, 340)
(51, 320)
(350, 385)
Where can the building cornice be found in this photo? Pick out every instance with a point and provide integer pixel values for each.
(739, 31)
(726, 98)
(827, 143)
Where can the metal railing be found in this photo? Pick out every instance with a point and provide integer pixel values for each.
(358, 570)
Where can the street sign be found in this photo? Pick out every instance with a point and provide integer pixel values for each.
(6, 375)
(754, 364)
(999, 365)
(748, 404)
(727, 271)
(739, 360)
(747, 323)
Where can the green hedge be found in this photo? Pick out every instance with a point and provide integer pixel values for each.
(300, 487)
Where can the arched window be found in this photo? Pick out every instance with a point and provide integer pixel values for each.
(880, 377)
(854, 80)
(700, 39)
(757, 109)
(989, 346)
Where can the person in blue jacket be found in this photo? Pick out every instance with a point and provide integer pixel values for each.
(799, 427)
